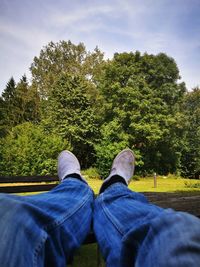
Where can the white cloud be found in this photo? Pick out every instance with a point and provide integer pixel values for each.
(18, 46)
(115, 26)
(62, 18)
(31, 38)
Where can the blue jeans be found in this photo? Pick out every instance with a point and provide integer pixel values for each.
(132, 232)
(45, 229)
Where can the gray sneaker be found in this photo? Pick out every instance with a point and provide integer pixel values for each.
(123, 165)
(68, 164)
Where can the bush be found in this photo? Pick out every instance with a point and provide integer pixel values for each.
(192, 185)
(91, 173)
(29, 150)
(105, 156)
(173, 176)
(135, 178)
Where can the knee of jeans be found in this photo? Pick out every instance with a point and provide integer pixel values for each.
(182, 219)
(187, 220)
(14, 213)
(176, 225)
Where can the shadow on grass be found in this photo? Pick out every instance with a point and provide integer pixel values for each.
(194, 192)
(88, 256)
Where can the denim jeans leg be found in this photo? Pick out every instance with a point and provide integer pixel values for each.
(45, 229)
(132, 232)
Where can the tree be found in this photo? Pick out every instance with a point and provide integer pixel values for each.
(71, 113)
(27, 102)
(191, 155)
(57, 59)
(142, 92)
(29, 150)
(113, 140)
(9, 91)
(7, 111)
(21, 100)
(100, 107)
(19, 103)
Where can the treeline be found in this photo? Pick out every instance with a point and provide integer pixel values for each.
(77, 100)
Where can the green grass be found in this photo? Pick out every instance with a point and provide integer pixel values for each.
(164, 184)
(88, 256)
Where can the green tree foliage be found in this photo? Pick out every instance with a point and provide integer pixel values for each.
(9, 92)
(71, 113)
(19, 103)
(7, 108)
(61, 58)
(27, 102)
(29, 150)
(100, 107)
(142, 93)
(191, 155)
(113, 140)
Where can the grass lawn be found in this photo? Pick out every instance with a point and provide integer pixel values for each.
(87, 256)
(164, 184)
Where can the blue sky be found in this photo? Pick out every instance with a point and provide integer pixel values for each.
(152, 26)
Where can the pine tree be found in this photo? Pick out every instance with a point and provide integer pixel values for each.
(7, 111)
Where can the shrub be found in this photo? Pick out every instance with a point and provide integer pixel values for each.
(29, 150)
(135, 178)
(173, 176)
(192, 185)
(91, 173)
(105, 156)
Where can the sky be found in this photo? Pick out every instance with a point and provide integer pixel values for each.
(152, 26)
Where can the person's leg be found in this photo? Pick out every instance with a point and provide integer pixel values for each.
(132, 232)
(45, 229)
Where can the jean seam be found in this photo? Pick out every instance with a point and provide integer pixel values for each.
(109, 216)
(53, 226)
(58, 222)
(38, 249)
